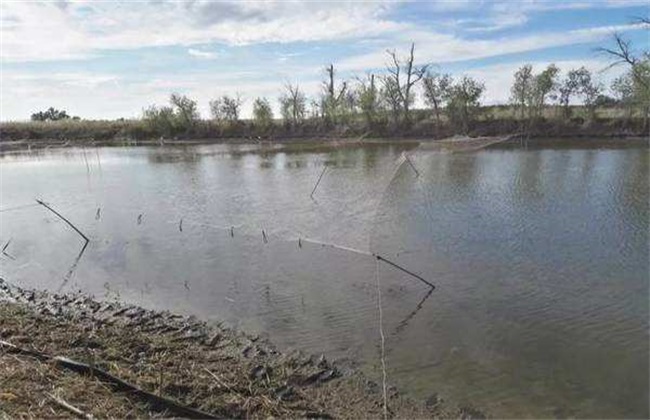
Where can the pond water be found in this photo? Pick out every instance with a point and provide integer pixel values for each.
(539, 256)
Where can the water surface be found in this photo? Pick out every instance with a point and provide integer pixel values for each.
(539, 255)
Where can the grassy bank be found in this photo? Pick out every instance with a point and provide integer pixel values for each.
(491, 121)
(215, 370)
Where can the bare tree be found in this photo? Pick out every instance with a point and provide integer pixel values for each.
(226, 108)
(293, 104)
(394, 81)
(622, 53)
(333, 96)
(639, 69)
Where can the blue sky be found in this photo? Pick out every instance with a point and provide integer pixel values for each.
(109, 59)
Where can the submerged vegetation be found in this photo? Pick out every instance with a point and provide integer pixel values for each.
(543, 103)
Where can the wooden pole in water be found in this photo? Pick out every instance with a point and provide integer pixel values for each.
(376, 256)
(62, 218)
(412, 165)
(318, 182)
(412, 274)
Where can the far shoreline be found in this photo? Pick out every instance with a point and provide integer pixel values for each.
(622, 139)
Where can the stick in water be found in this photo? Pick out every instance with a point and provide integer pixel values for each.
(4, 250)
(399, 267)
(318, 182)
(408, 159)
(62, 218)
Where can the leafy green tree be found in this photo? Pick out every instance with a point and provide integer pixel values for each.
(436, 89)
(368, 99)
(262, 113)
(544, 85)
(333, 98)
(571, 86)
(636, 83)
(161, 120)
(632, 88)
(391, 96)
(51, 114)
(180, 116)
(463, 102)
(579, 83)
(530, 91)
(522, 89)
(185, 109)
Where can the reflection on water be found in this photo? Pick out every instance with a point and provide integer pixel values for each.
(540, 257)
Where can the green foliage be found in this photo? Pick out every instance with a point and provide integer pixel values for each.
(51, 114)
(529, 91)
(522, 88)
(463, 102)
(334, 101)
(576, 82)
(436, 90)
(632, 89)
(368, 100)
(262, 113)
(640, 74)
(391, 96)
(160, 119)
(181, 117)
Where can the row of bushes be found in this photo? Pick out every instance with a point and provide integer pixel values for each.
(494, 121)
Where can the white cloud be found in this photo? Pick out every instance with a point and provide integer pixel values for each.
(434, 47)
(46, 31)
(34, 31)
(206, 55)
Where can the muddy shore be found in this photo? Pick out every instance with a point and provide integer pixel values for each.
(211, 369)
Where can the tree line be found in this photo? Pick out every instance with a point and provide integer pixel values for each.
(385, 101)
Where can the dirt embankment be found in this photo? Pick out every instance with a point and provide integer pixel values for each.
(172, 363)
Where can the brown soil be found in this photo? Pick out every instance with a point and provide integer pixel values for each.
(209, 368)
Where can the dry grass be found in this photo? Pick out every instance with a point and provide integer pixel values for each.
(216, 370)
